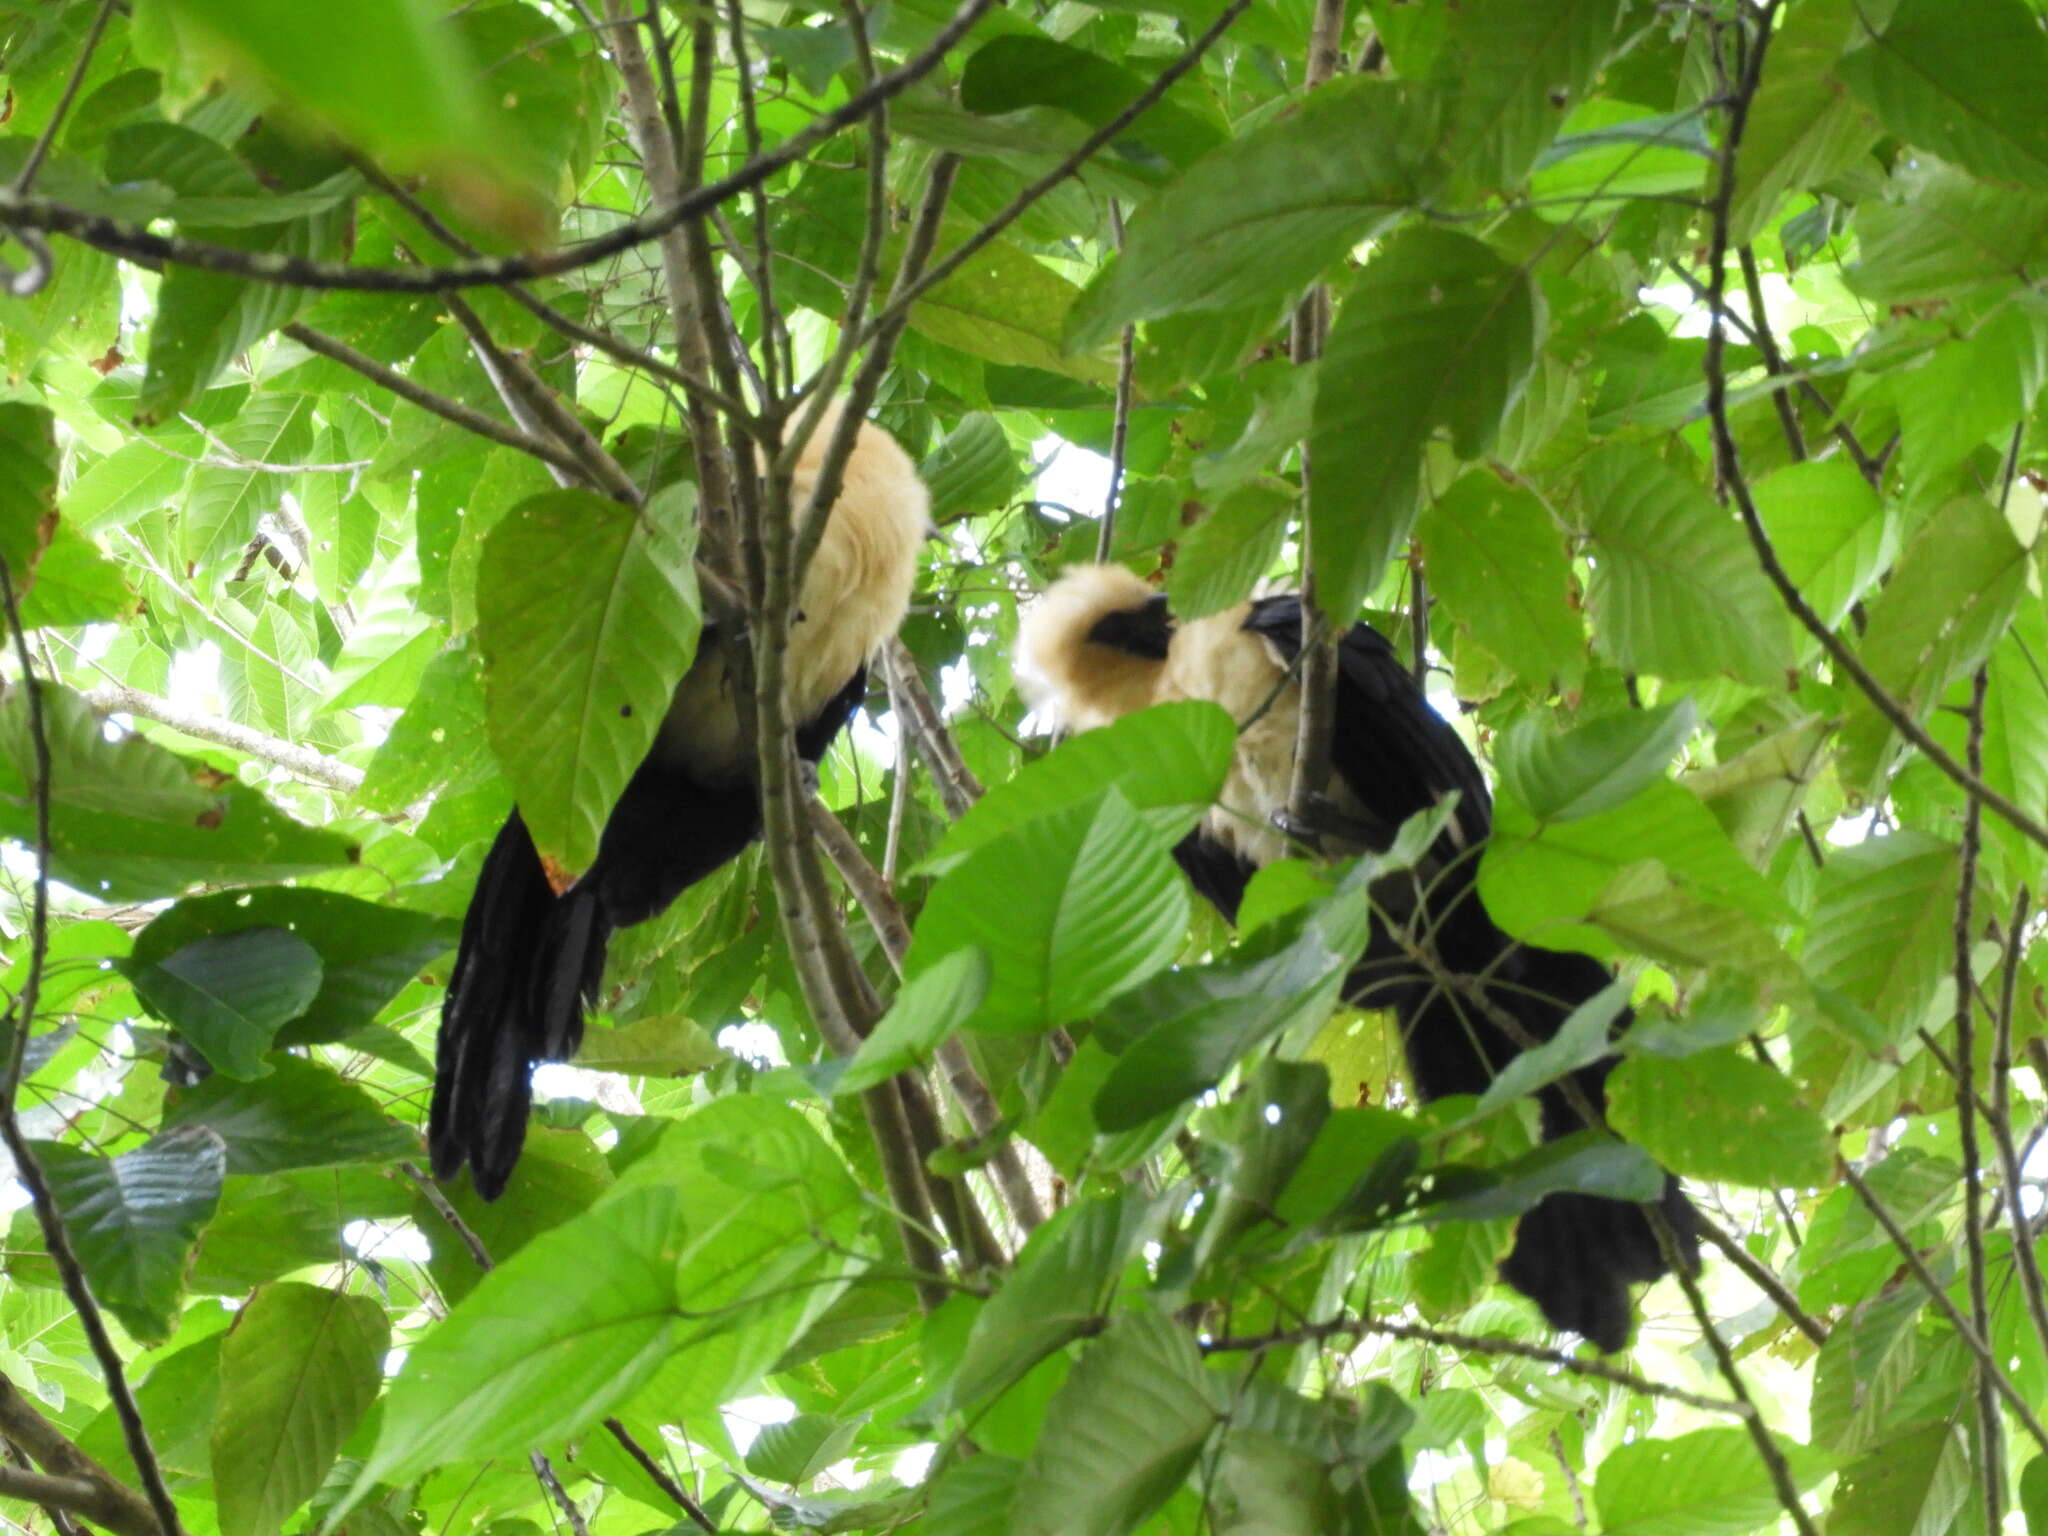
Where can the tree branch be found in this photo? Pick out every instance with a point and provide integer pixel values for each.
(26, 211)
(27, 1169)
(313, 767)
(958, 787)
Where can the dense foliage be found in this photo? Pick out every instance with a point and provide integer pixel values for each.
(1664, 377)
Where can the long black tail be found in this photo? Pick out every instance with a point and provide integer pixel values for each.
(1576, 1255)
(528, 962)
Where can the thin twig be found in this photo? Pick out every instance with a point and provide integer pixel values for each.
(26, 211)
(304, 762)
(27, 1169)
(958, 787)
(1987, 1363)
(1991, 1461)
(1761, 1277)
(2011, 1163)
(1126, 370)
(1767, 344)
(38, 151)
(1478, 1344)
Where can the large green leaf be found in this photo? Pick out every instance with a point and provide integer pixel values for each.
(930, 1007)
(1707, 1483)
(549, 1342)
(1226, 553)
(1969, 393)
(1676, 589)
(1963, 84)
(1917, 1482)
(1439, 332)
(1122, 1432)
(1720, 1115)
(230, 993)
(1168, 762)
(1954, 593)
(1009, 73)
(1516, 70)
(132, 822)
(587, 615)
(1187, 1029)
(1054, 1293)
(299, 1368)
(300, 1116)
(1072, 909)
(1496, 562)
(1951, 235)
(133, 1218)
(1596, 766)
(1803, 129)
(75, 584)
(1007, 306)
(391, 75)
(1261, 216)
(1832, 533)
(367, 953)
(972, 1498)
(1882, 932)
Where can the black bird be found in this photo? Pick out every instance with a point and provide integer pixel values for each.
(531, 960)
(1101, 643)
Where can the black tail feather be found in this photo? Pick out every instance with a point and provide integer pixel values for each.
(528, 962)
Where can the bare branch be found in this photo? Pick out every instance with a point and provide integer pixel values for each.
(958, 787)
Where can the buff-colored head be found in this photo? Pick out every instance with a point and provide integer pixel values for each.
(1066, 666)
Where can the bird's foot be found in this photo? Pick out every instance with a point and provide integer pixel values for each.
(1321, 819)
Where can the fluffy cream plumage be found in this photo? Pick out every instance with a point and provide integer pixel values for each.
(854, 595)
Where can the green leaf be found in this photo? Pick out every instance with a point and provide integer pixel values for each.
(298, 1370)
(1581, 1040)
(1261, 216)
(1058, 1287)
(972, 1498)
(549, 1342)
(1953, 235)
(1720, 1115)
(1224, 554)
(1191, 1026)
(587, 617)
(1803, 129)
(230, 993)
(1517, 69)
(1596, 766)
(1072, 908)
(1882, 932)
(1123, 1431)
(1168, 762)
(75, 584)
(931, 1006)
(300, 1116)
(560, 1175)
(135, 479)
(1587, 1162)
(132, 822)
(798, 1449)
(1954, 593)
(1496, 562)
(1007, 74)
(2034, 1492)
(1916, 1482)
(1707, 1483)
(367, 953)
(973, 470)
(1833, 534)
(1970, 92)
(1008, 307)
(1271, 1127)
(1969, 393)
(390, 75)
(28, 488)
(1676, 589)
(1538, 878)
(133, 1219)
(1438, 332)
(1612, 156)
(658, 1045)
